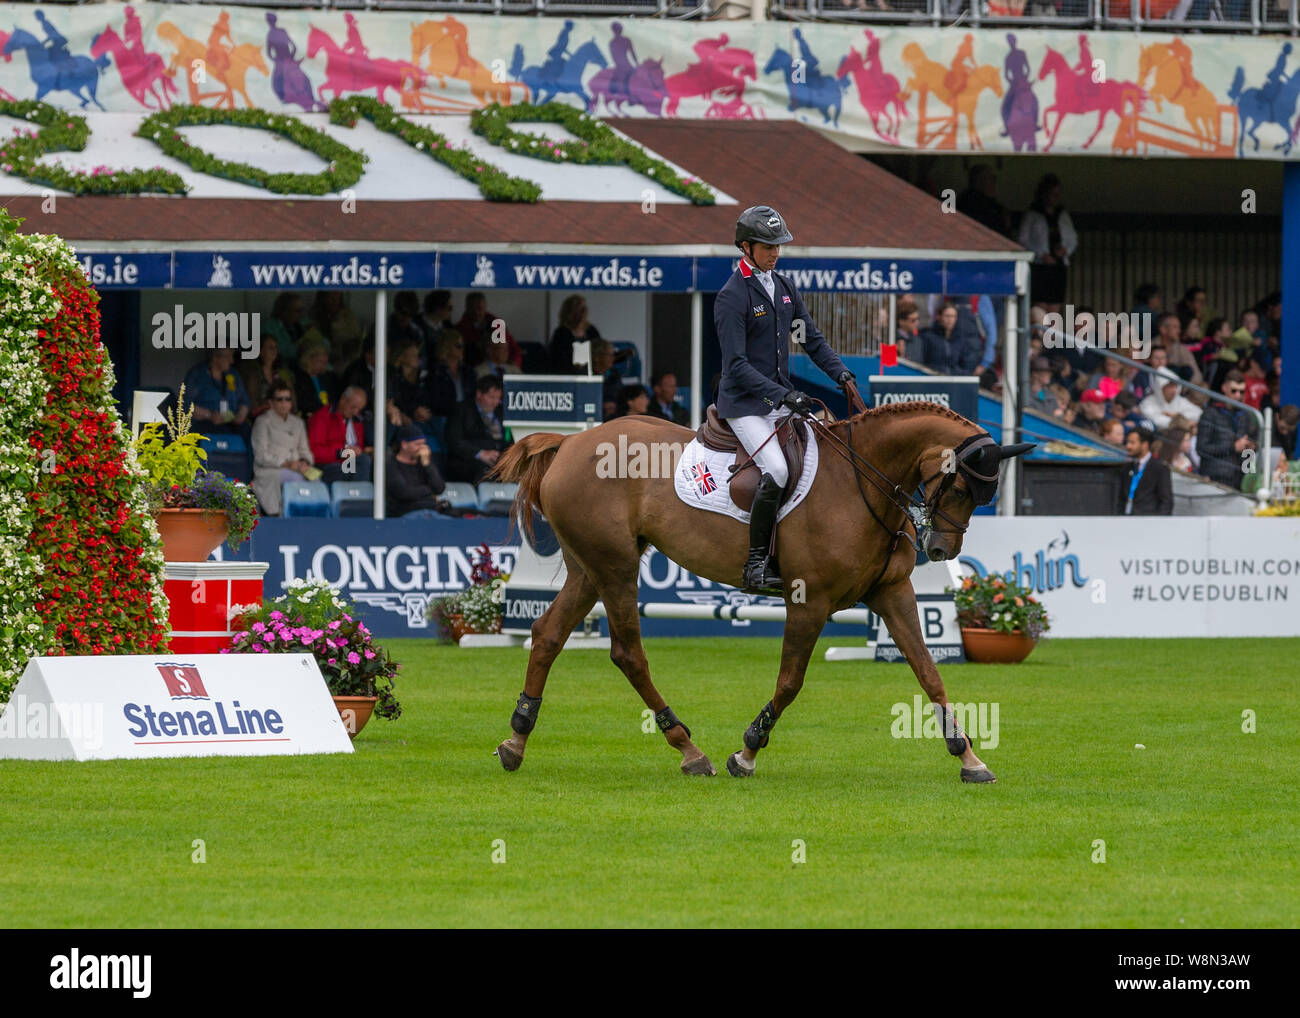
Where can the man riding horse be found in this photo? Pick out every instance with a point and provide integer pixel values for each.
(755, 315)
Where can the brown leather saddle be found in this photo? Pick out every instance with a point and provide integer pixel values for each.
(715, 433)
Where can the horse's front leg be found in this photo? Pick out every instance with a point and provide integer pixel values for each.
(803, 624)
(896, 605)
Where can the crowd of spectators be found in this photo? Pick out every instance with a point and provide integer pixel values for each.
(305, 407)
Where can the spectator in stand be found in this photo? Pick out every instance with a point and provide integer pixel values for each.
(1169, 335)
(338, 439)
(1149, 490)
(664, 404)
(286, 324)
(411, 391)
(1223, 362)
(261, 374)
(1125, 408)
(1273, 379)
(1176, 449)
(1216, 338)
(412, 481)
(1092, 411)
(1191, 307)
(281, 452)
(1249, 320)
(907, 317)
(1256, 383)
(1109, 378)
(1046, 230)
(220, 400)
(1112, 431)
(1148, 300)
(1161, 406)
(1285, 424)
(633, 400)
(478, 328)
(315, 385)
(1040, 385)
(405, 321)
(980, 200)
(361, 372)
(1081, 346)
(339, 326)
(437, 314)
(475, 434)
(496, 363)
(1065, 410)
(574, 327)
(1224, 432)
(602, 364)
(1065, 375)
(450, 382)
(933, 345)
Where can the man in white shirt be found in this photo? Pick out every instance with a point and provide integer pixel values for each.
(1166, 401)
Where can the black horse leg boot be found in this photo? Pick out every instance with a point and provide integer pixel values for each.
(762, 517)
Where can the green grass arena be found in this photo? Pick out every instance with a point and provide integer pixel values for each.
(600, 829)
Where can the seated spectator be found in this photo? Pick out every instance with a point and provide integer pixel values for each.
(1176, 449)
(1273, 379)
(412, 482)
(1224, 432)
(935, 346)
(475, 434)
(1260, 351)
(220, 400)
(1222, 363)
(1216, 338)
(1167, 400)
(1190, 309)
(1112, 431)
(1256, 383)
(1064, 410)
(281, 452)
(286, 324)
(1148, 299)
(410, 390)
(315, 385)
(1065, 375)
(907, 318)
(1109, 378)
(361, 372)
(338, 439)
(1125, 408)
(664, 386)
(436, 317)
(632, 400)
(496, 363)
(966, 344)
(405, 322)
(1169, 335)
(450, 382)
(339, 326)
(1093, 411)
(1149, 490)
(476, 326)
(1040, 386)
(1285, 423)
(261, 374)
(574, 327)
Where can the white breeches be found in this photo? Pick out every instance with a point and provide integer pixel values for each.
(753, 432)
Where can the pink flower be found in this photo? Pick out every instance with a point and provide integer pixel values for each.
(259, 627)
(369, 654)
(268, 637)
(335, 624)
(333, 661)
(277, 615)
(354, 658)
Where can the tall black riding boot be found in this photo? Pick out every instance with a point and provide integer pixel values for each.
(759, 575)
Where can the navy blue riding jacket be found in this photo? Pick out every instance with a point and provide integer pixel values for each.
(755, 339)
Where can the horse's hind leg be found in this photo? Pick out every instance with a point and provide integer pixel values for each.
(896, 605)
(550, 632)
(803, 624)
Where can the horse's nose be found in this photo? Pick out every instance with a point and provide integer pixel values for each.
(936, 554)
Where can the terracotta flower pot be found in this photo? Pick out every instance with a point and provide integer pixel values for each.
(190, 535)
(355, 711)
(458, 627)
(988, 646)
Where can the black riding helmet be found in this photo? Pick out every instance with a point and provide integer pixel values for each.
(761, 223)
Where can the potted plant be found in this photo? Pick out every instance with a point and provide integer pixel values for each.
(477, 609)
(196, 509)
(311, 618)
(1000, 622)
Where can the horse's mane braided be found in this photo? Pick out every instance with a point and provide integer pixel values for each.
(910, 407)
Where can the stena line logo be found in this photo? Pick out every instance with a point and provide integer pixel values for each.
(220, 722)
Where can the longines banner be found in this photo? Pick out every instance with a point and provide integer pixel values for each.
(1111, 93)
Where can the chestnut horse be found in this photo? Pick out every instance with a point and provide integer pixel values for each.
(843, 544)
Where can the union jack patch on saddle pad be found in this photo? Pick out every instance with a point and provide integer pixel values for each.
(703, 479)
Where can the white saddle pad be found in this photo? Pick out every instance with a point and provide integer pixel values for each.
(702, 475)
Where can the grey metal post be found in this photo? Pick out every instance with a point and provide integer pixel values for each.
(381, 400)
(697, 358)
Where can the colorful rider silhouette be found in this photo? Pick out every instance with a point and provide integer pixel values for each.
(132, 33)
(962, 64)
(460, 41)
(1183, 53)
(809, 61)
(57, 46)
(557, 54)
(873, 50)
(218, 55)
(624, 59)
(708, 49)
(279, 46)
(1083, 69)
(354, 45)
(1277, 77)
(1016, 70)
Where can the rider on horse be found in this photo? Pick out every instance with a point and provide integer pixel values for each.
(754, 315)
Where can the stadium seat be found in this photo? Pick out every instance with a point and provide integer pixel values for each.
(461, 495)
(306, 498)
(352, 498)
(496, 498)
(228, 454)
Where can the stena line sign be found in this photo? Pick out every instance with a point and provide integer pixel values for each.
(106, 707)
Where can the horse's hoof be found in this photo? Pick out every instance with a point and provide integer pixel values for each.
(699, 766)
(738, 767)
(977, 775)
(511, 760)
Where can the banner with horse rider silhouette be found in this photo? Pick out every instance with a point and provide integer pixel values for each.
(1116, 93)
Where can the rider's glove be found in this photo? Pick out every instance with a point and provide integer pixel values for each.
(797, 401)
(846, 376)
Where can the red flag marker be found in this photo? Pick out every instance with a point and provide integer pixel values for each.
(889, 355)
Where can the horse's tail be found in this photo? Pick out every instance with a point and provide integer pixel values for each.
(525, 463)
(1238, 81)
(517, 61)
